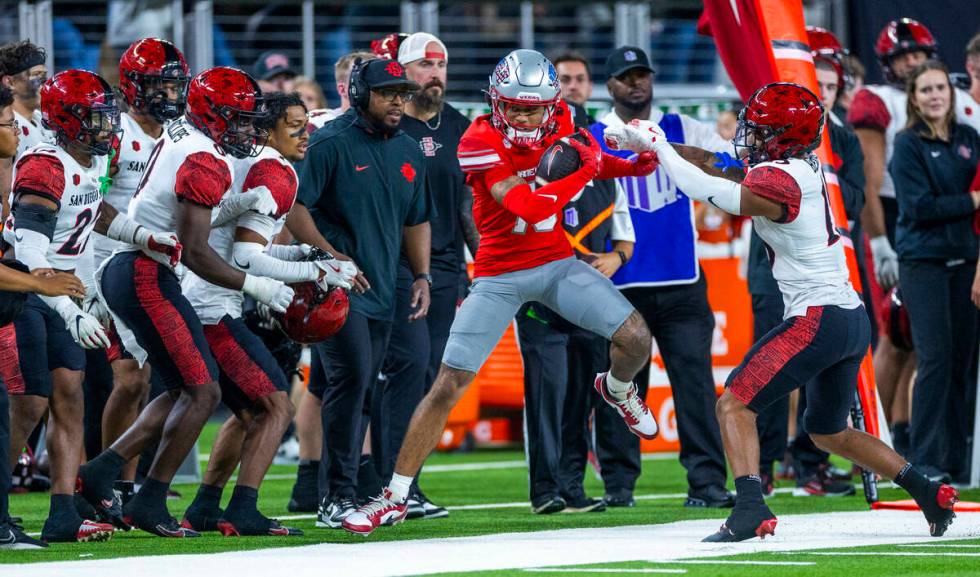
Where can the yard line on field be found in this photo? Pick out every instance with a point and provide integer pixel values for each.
(735, 562)
(940, 545)
(884, 553)
(602, 570)
(522, 504)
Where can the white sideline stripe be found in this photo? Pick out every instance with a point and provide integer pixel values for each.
(881, 553)
(514, 551)
(737, 562)
(941, 546)
(602, 570)
(526, 504)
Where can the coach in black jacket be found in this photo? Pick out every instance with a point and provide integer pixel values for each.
(933, 165)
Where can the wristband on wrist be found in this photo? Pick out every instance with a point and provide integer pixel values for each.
(622, 256)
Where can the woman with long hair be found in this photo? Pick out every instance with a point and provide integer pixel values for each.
(933, 165)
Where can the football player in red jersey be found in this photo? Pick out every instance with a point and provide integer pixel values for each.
(523, 256)
(825, 332)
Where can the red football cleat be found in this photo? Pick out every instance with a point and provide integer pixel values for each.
(379, 511)
(633, 409)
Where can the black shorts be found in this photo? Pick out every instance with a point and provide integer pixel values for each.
(248, 371)
(146, 295)
(43, 344)
(826, 346)
(318, 377)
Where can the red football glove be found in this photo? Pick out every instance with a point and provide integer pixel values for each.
(591, 154)
(616, 167)
(166, 244)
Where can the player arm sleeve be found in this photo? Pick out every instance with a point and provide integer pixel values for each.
(287, 251)
(722, 193)
(917, 198)
(537, 204)
(251, 257)
(622, 223)
(33, 229)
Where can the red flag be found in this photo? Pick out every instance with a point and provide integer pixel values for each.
(742, 41)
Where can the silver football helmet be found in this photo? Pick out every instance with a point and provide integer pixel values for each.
(524, 77)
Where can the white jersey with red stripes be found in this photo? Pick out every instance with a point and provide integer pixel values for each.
(49, 172)
(881, 107)
(135, 147)
(270, 170)
(31, 132)
(805, 250)
(185, 165)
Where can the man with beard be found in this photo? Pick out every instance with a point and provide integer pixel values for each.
(665, 284)
(417, 343)
(363, 196)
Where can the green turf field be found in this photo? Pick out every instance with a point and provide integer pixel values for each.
(503, 490)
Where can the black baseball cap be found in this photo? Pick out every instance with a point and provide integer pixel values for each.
(385, 73)
(626, 58)
(271, 63)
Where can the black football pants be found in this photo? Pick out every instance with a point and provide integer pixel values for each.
(412, 362)
(351, 360)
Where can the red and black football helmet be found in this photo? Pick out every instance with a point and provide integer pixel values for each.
(315, 314)
(224, 103)
(153, 78)
(317, 311)
(900, 37)
(781, 120)
(895, 321)
(824, 46)
(79, 107)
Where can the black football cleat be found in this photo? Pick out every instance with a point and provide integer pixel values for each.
(254, 524)
(938, 509)
(201, 519)
(12, 537)
(745, 522)
(69, 529)
(157, 521)
(97, 490)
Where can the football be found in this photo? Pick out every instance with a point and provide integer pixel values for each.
(560, 160)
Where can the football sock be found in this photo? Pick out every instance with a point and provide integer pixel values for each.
(399, 487)
(617, 388)
(749, 489)
(208, 496)
(910, 479)
(152, 492)
(108, 463)
(243, 499)
(62, 506)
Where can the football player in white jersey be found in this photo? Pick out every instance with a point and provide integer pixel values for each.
(57, 204)
(189, 171)
(252, 383)
(153, 78)
(23, 72)
(825, 333)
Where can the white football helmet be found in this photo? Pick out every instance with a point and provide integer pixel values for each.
(524, 77)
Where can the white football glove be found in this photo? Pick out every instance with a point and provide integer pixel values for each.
(232, 206)
(336, 272)
(886, 262)
(84, 327)
(93, 306)
(277, 294)
(638, 136)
